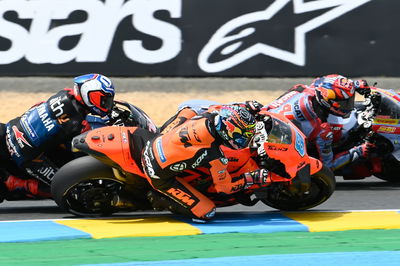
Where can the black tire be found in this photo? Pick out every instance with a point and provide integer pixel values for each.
(323, 185)
(390, 170)
(85, 187)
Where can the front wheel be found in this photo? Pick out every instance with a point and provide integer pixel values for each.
(390, 170)
(279, 195)
(86, 187)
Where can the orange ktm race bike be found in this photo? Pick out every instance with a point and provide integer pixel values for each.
(111, 178)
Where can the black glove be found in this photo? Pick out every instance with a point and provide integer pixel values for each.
(120, 117)
(258, 177)
(362, 87)
(253, 106)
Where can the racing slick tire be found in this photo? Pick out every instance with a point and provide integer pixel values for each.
(322, 186)
(85, 187)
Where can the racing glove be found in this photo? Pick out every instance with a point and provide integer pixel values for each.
(362, 87)
(258, 177)
(361, 151)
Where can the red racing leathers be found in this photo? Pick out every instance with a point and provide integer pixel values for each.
(299, 105)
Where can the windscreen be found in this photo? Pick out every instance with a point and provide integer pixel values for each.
(389, 108)
(280, 132)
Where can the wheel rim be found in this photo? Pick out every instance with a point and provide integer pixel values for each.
(92, 197)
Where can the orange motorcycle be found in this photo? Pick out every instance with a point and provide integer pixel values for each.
(111, 179)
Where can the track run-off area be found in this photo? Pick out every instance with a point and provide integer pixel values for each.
(268, 238)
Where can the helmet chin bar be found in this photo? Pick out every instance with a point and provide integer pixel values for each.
(336, 112)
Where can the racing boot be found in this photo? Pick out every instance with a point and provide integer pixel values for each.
(159, 202)
(30, 187)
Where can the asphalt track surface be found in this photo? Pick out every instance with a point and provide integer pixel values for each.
(366, 194)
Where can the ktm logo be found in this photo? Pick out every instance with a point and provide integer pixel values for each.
(182, 196)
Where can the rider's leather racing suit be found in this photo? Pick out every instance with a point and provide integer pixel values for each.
(41, 133)
(300, 106)
(188, 142)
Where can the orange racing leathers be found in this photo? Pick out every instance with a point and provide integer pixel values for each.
(188, 144)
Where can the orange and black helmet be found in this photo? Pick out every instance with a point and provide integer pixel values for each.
(235, 125)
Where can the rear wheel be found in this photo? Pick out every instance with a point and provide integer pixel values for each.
(86, 187)
(280, 196)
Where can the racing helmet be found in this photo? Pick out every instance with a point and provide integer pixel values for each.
(335, 93)
(96, 91)
(235, 125)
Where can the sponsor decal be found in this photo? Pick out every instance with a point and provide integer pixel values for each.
(45, 117)
(386, 129)
(147, 161)
(211, 213)
(160, 150)
(237, 188)
(124, 138)
(19, 136)
(56, 106)
(181, 195)
(12, 149)
(284, 98)
(27, 127)
(274, 148)
(199, 159)
(386, 121)
(178, 167)
(301, 164)
(298, 112)
(300, 144)
(196, 136)
(47, 172)
(173, 124)
(224, 160)
(337, 127)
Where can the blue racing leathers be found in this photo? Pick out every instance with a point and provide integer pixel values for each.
(46, 128)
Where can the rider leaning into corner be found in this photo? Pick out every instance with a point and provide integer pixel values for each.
(309, 106)
(32, 144)
(188, 141)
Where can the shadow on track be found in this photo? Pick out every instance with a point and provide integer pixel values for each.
(352, 185)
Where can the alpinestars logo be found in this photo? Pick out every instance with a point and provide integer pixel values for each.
(19, 136)
(228, 39)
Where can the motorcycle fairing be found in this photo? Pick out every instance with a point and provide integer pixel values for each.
(109, 143)
(387, 120)
(283, 144)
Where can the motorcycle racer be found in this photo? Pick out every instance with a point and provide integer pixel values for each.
(35, 143)
(309, 107)
(189, 141)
